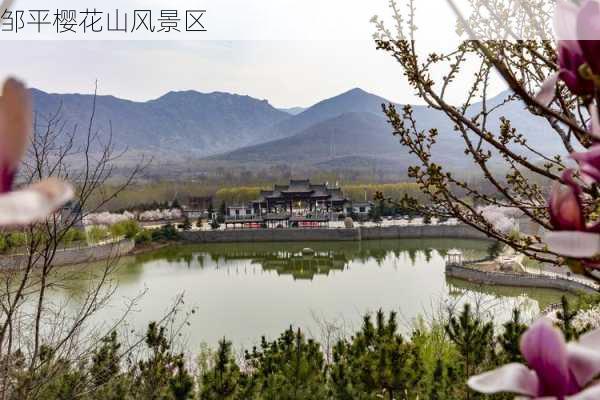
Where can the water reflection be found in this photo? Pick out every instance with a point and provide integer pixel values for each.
(294, 260)
(244, 291)
(543, 297)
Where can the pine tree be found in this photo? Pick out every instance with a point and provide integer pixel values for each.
(210, 211)
(289, 368)
(222, 381)
(156, 379)
(222, 212)
(565, 317)
(376, 362)
(105, 360)
(509, 340)
(473, 339)
(439, 389)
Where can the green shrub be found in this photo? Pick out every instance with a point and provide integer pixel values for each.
(377, 362)
(144, 236)
(96, 234)
(73, 235)
(16, 239)
(166, 233)
(3, 243)
(129, 229)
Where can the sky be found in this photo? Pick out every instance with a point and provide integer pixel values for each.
(292, 53)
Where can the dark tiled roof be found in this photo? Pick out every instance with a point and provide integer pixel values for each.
(299, 186)
(336, 194)
(362, 204)
(302, 186)
(319, 190)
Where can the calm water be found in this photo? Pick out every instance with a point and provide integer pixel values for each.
(243, 291)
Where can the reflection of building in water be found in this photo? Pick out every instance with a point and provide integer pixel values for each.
(289, 258)
(303, 265)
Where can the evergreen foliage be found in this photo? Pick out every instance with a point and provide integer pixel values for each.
(377, 362)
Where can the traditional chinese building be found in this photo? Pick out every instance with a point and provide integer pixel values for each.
(300, 195)
(300, 204)
(197, 206)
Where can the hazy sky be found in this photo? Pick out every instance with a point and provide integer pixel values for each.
(311, 63)
(286, 73)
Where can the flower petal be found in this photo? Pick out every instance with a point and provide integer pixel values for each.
(546, 93)
(584, 363)
(589, 174)
(512, 378)
(573, 243)
(565, 206)
(588, 33)
(5, 5)
(16, 123)
(33, 203)
(591, 340)
(592, 393)
(594, 121)
(592, 155)
(544, 348)
(565, 20)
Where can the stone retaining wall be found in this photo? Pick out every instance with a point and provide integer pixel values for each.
(519, 280)
(77, 255)
(326, 234)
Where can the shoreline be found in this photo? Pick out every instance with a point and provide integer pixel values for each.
(517, 280)
(127, 247)
(333, 234)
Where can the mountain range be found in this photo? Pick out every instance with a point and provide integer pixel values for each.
(348, 131)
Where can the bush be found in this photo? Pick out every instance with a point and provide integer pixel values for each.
(16, 240)
(96, 234)
(73, 235)
(129, 229)
(144, 236)
(377, 362)
(166, 233)
(349, 223)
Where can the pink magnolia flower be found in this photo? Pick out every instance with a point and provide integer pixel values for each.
(570, 59)
(589, 164)
(564, 205)
(588, 33)
(35, 202)
(578, 46)
(572, 237)
(555, 369)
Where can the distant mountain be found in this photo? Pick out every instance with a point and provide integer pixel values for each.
(350, 131)
(355, 100)
(339, 136)
(195, 123)
(293, 110)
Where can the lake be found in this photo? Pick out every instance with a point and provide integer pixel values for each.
(244, 291)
